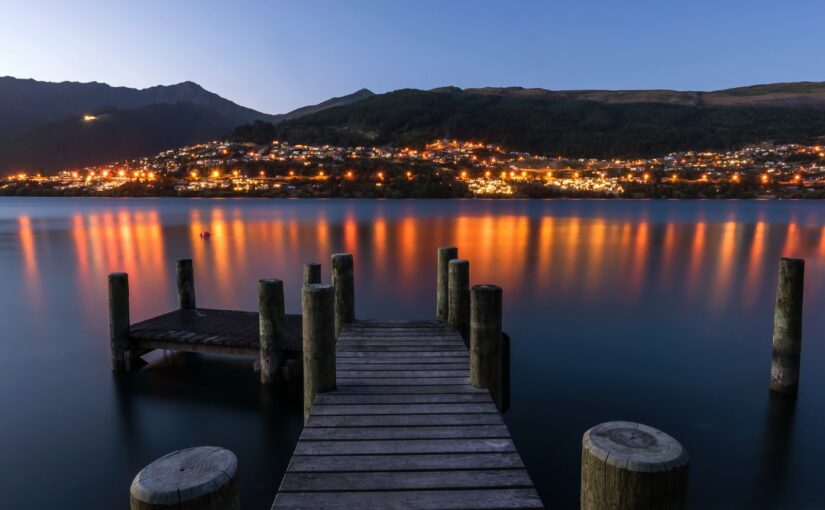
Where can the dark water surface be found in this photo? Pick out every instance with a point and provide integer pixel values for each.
(651, 311)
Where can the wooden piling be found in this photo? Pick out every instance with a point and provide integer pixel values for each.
(445, 255)
(119, 321)
(628, 465)
(458, 309)
(787, 327)
(317, 305)
(485, 335)
(202, 478)
(272, 319)
(312, 273)
(186, 284)
(344, 285)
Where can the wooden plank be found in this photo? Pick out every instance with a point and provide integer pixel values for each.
(344, 389)
(462, 372)
(404, 446)
(387, 481)
(357, 433)
(423, 500)
(403, 381)
(171, 345)
(443, 398)
(310, 464)
(362, 409)
(404, 420)
(411, 354)
(405, 429)
(435, 365)
(398, 348)
(421, 343)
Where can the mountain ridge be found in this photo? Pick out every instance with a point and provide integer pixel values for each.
(552, 123)
(42, 127)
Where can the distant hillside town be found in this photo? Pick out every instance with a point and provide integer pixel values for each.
(441, 169)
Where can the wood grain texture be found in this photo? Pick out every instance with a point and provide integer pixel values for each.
(404, 429)
(628, 465)
(204, 477)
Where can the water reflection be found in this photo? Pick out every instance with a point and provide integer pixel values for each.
(776, 448)
(573, 255)
(637, 310)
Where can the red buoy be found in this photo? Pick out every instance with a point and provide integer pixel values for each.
(206, 234)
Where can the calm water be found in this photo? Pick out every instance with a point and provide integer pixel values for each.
(652, 311)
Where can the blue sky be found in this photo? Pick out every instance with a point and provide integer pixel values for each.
(275, 56)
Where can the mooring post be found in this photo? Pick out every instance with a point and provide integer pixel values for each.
(628, 465)
(344, 285)
(458, 309)
(271, 325)
(312, 273)
(442, 292)
(787, 327)
(318, 323)
(186, 284)
(485, 335)
(119, 321)
(203, 478)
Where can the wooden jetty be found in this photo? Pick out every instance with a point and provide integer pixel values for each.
(407, 414)
(405, 429)
(269, 334)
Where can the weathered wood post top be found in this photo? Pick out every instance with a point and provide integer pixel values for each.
(271, 326)
(445, 255)
(628, 465)
(485, 335)
(312, 273)
(203, 478)
(318, 323)
(458, 309)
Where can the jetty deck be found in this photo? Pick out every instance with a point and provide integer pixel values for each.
(404, 429)
(210, 330)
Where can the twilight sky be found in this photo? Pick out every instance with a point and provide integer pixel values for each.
(275, 56)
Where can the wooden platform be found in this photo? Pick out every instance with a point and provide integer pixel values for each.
(405, 429)
(208, 330)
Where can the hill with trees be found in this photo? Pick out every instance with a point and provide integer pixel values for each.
(547, 122)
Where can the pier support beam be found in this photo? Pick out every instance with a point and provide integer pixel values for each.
(271, 319)
(186, 284)
(787, 327)
(445, 255)
(312, 273)
(202, 478)
(485, 336)
(344, 285)
(458, 310)
(627, 465)
(318, 322)
(119, 321)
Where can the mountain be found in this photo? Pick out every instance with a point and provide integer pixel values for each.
(576, 123)
(113, 135)
(26, 103)
(42, 126)
(329, 103)
(798, 94)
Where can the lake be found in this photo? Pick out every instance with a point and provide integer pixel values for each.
(652, 311)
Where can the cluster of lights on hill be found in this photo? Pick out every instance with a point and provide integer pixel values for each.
(486, 169)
